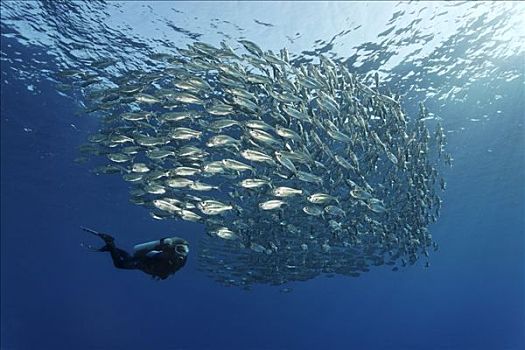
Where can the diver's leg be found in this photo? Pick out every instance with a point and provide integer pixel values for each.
(121, 258)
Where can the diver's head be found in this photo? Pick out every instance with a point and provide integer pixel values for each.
(181, 246)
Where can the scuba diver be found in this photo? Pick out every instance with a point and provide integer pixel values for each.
(159, 259)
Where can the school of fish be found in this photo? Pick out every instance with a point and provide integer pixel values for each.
(296, 170)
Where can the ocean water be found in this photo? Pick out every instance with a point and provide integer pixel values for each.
(464, 60)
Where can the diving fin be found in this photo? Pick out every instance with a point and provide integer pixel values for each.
(107, 238)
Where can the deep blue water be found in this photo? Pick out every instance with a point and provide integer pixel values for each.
(56, 295)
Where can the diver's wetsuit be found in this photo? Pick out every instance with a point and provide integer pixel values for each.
(121, 258)
(160, 261)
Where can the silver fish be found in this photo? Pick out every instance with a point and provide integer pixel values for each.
(272, 204)
(284, 191)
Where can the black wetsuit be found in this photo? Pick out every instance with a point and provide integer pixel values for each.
(163, 260)
(161, 265)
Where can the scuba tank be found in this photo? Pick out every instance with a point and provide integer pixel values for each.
(180, 245)
(153, 244)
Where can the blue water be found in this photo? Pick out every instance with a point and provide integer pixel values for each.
(55, 295)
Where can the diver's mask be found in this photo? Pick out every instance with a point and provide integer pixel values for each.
(182, 249)
(179, 245)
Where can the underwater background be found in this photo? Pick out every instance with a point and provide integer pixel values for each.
(465, 60)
